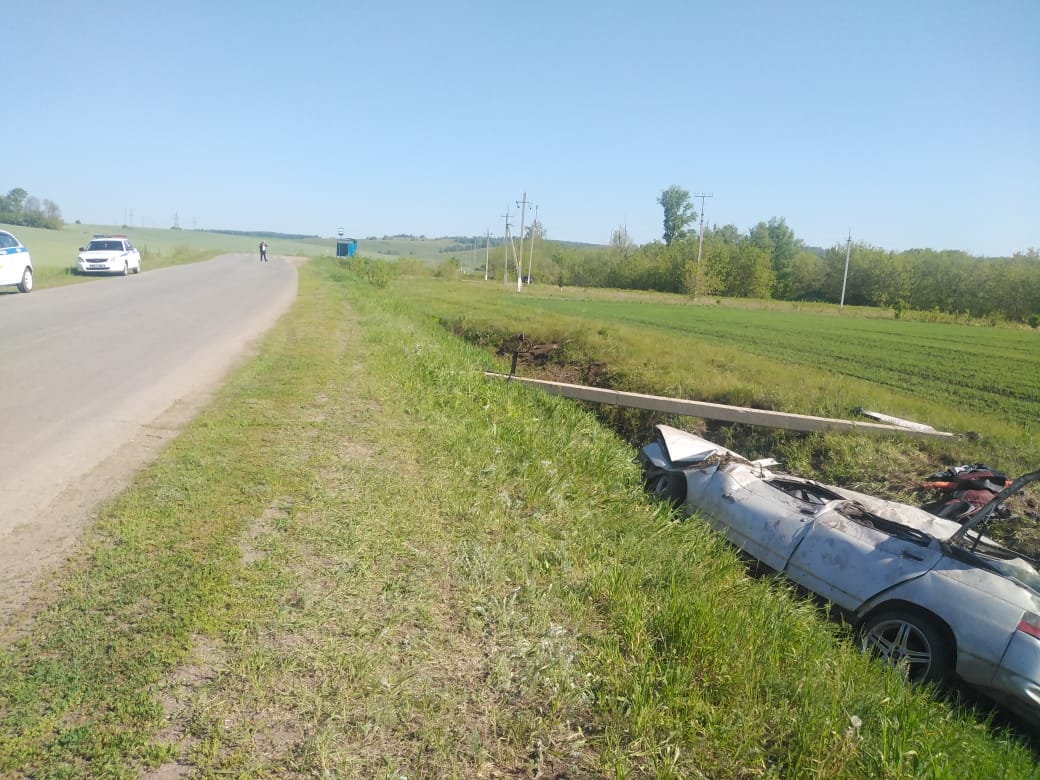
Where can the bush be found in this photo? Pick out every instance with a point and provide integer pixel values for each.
(449, 269)
(379, 273)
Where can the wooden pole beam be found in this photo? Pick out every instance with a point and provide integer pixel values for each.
(709, 411)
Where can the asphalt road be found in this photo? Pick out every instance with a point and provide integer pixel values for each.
(86, 370)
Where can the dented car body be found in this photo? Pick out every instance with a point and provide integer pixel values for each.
(928, 594)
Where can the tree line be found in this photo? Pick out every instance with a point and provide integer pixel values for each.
(769, 261)
(18, 207)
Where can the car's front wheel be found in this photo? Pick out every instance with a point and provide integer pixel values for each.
(910, 641)
(26, 284)
(126, 268)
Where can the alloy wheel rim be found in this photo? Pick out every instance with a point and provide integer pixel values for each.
(901, 644)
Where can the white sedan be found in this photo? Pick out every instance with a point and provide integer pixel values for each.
(15, 264)
(108, 255)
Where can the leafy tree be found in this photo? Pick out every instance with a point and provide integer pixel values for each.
(679, 267)
(834, 274)
(750, 272)
(12, 205)
(779, 241)
(621, 244)
(727, 234)
(785, 248)
(32, 212)
(866, 269)
(678, 213)
(759, 237)
(52, 213)
(717, 260)
(535, 230)
(806, 277)
(945, 282)
(20, 208)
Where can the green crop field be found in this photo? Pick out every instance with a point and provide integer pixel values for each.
(982, 370)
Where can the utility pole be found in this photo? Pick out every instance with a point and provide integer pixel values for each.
(487, 252)
(530, 260)
(845, 278)
(522, 204)
(505, 250)
(700, 240)
(518, 263)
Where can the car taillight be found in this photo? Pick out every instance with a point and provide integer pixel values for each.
(1030, 624)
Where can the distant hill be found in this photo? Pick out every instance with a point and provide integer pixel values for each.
(468, 250)
(262, 234)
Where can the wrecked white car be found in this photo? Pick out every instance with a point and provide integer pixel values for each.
(926, 593)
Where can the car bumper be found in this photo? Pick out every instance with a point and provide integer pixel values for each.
(99, 268)
(1016, 694)
(1016, 683)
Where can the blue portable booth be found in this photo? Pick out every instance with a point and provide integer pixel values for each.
(346, 247)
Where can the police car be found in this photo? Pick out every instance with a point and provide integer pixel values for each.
(108, 255)
(15, 263)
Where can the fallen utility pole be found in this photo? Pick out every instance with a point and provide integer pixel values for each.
(709, 411)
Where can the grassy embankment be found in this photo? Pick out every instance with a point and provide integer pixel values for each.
(366, 560)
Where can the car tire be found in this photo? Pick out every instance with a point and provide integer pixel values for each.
(126, 268)
(910, 640)
(137, 268)
(26, 284)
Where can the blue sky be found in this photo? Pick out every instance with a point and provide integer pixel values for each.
(914, 123)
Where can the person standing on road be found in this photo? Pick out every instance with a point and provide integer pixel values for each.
(263, 251)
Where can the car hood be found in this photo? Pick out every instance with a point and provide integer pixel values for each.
(102, 254)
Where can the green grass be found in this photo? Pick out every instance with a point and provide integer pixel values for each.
(366, 560)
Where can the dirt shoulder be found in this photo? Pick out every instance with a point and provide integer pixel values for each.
(36, 547)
